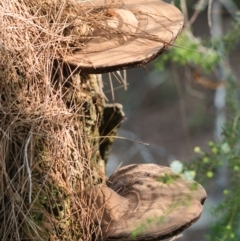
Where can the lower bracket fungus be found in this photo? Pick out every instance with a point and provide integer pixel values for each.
(146, 202)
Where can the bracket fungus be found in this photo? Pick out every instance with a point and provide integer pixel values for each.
(129, 33)
(146, 202)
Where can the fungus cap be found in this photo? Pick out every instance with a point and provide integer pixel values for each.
(147, 202)
(133, 32)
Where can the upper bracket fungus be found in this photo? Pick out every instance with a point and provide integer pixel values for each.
(128, 34)
(147, 202)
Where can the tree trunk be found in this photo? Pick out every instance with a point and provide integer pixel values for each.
(50, 154)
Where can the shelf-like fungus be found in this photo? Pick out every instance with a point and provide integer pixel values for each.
(147, 202)
(129, 33)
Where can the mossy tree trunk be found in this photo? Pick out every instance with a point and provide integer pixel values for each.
(69, 174)
(50, 123)
(49, 156)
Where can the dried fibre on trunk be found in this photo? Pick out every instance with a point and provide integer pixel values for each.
(49, 123)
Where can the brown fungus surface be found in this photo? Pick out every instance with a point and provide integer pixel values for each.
(128, 34)
(147, 202)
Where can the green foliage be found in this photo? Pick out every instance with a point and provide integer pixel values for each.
(168, 179)
(224, 154)
(232, 38)
(189, 50)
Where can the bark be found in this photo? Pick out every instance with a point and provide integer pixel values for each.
(50, 157)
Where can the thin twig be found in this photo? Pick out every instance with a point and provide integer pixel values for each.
(28, 166)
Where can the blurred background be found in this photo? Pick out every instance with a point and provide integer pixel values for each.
(176, 108)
